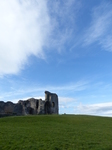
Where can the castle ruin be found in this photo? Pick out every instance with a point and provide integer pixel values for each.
(31, 106)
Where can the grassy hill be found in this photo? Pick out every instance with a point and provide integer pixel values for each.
(63, 132)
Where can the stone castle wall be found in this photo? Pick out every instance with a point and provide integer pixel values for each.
(31, 106)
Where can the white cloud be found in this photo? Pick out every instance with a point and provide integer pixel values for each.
(107, 43)
(24, 29)
(63, 19)
(100, 29)
(27, 27)
(102, 109)
(66, 99)
(20, 90)
(78, 86)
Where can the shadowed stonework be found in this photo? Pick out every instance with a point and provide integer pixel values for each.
(31, 106)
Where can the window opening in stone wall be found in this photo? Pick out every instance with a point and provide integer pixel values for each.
(49, 98)
(53, 104)
(37, 104)
(25, 104)
(31, 111)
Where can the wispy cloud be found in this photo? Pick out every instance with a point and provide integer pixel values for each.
(63, 16)
(107, 42)
(24, 30)
(103, 109)
(35, 90)
(29, 27)
(100, 28)
(70, 95)
(66, 102)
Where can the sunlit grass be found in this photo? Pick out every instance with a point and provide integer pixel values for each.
(61, 132)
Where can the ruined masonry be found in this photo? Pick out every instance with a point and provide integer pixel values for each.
(31, 106)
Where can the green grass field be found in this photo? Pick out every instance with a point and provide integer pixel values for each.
(61, 132)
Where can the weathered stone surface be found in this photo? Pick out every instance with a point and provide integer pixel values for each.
(31, 106)
(18, 109)
(6, 108)
(2, 104)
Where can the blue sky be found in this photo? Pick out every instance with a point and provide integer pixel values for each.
(61, 46)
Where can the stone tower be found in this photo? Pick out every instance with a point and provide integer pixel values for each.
(31, 106)
(51, 103)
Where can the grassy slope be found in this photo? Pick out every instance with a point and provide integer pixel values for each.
(63, 132)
